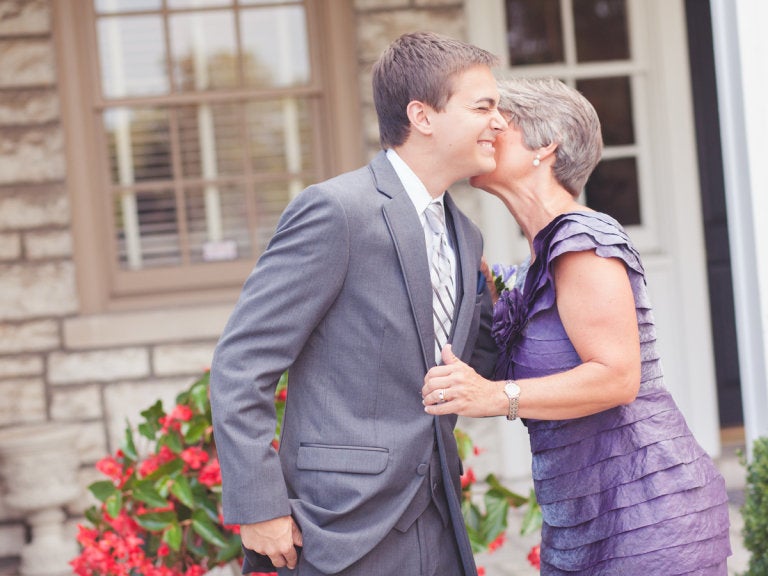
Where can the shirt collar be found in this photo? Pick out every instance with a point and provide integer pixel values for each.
(416, 190)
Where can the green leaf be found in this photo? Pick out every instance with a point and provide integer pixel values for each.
(195, 429)
(173, 441)
(463, 442)
(103, 490)
(231, 550)
(495, 519)
(156, 521)
(203, 526)
(199, 394)
(145, 491)
(172, 536)
(151, 426)
(513, 498)
(533, 519)
(129, 446)
(93, 515)
(114, 504)
(181, 489)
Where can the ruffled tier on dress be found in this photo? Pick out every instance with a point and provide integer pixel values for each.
(628, 490)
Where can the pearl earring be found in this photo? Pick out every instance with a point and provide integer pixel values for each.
(537, 160)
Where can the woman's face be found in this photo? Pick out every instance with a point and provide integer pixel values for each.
(513, 160)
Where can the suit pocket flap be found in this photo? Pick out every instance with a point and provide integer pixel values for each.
(350, 459)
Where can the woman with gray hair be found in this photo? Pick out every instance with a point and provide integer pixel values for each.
(623, 485)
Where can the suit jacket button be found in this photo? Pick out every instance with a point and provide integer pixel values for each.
(422, 469)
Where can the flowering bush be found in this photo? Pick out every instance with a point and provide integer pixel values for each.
(160, 509)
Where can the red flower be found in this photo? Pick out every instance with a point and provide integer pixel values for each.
(194, 457)
(480, 571)
(534, 556)
(282, 395)
(468, 478)
(163, 550)
(210, 475)
(111, 468)
(496, 544)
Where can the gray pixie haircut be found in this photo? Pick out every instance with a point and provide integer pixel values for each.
(546, 110)
(419, 66)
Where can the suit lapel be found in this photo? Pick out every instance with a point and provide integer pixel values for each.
(408, 236)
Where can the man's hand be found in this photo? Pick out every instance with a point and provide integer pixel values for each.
(276, 538)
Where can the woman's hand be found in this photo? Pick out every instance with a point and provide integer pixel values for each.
(455, 388)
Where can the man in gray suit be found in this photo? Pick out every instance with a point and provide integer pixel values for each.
(365, 482)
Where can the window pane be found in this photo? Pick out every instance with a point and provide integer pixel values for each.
(271, 200)
(107, 6)
(612, 100)
(280, 136)
(217, 224)
(601, 30)
(534, 32)
(197, 3)
(132, 56)
(204, 51)
(613, 188)
(275, 50)
(139, 147)
(147, 231)
(211, 140)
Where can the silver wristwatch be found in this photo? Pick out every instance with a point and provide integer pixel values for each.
(512, 390)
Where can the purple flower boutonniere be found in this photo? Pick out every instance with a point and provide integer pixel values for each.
(510, 313)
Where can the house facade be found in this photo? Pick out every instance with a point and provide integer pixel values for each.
(147, 148)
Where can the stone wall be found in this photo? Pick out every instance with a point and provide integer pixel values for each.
(96, 371)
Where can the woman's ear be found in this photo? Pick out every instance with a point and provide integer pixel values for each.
(546, 151)
(419, 115)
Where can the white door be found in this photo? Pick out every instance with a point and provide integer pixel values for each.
(629, 57)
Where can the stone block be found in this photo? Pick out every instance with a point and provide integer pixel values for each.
(31, 106)
(29, 337)
(10, 246)
(150, 327)
(32, 155)
(97, 366)
(48, 244)
(380, 4)
(19, 17)
(91, 443)
(27, 63)
(23, 207)
(23, 401)
(12, 538)
(31, 291)
(126, 400)
(76, 403)
(377, 29)
(20, 366)
(87, 475)
(179, 359)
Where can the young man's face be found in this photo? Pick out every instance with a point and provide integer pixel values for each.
(466, 129)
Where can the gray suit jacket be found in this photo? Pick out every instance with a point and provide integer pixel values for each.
(342, 297)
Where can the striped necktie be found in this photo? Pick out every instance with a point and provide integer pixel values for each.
(441, 275)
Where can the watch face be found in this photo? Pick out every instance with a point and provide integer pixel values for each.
(511, 389)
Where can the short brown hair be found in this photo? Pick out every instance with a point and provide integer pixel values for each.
(419, 66)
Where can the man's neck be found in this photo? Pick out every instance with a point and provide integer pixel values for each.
(423, 164)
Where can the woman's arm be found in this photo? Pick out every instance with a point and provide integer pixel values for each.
(597, 308)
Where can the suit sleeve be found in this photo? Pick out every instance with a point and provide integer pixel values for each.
(279, 306)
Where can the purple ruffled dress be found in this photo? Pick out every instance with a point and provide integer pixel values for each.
(627, 491)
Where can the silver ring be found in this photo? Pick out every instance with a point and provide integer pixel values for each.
(441, 395)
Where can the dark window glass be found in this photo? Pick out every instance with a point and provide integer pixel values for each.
(534, 32)
(613, 189)
(612, 100)
(601, 30)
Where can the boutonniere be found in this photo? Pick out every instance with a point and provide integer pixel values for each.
(510, 313)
